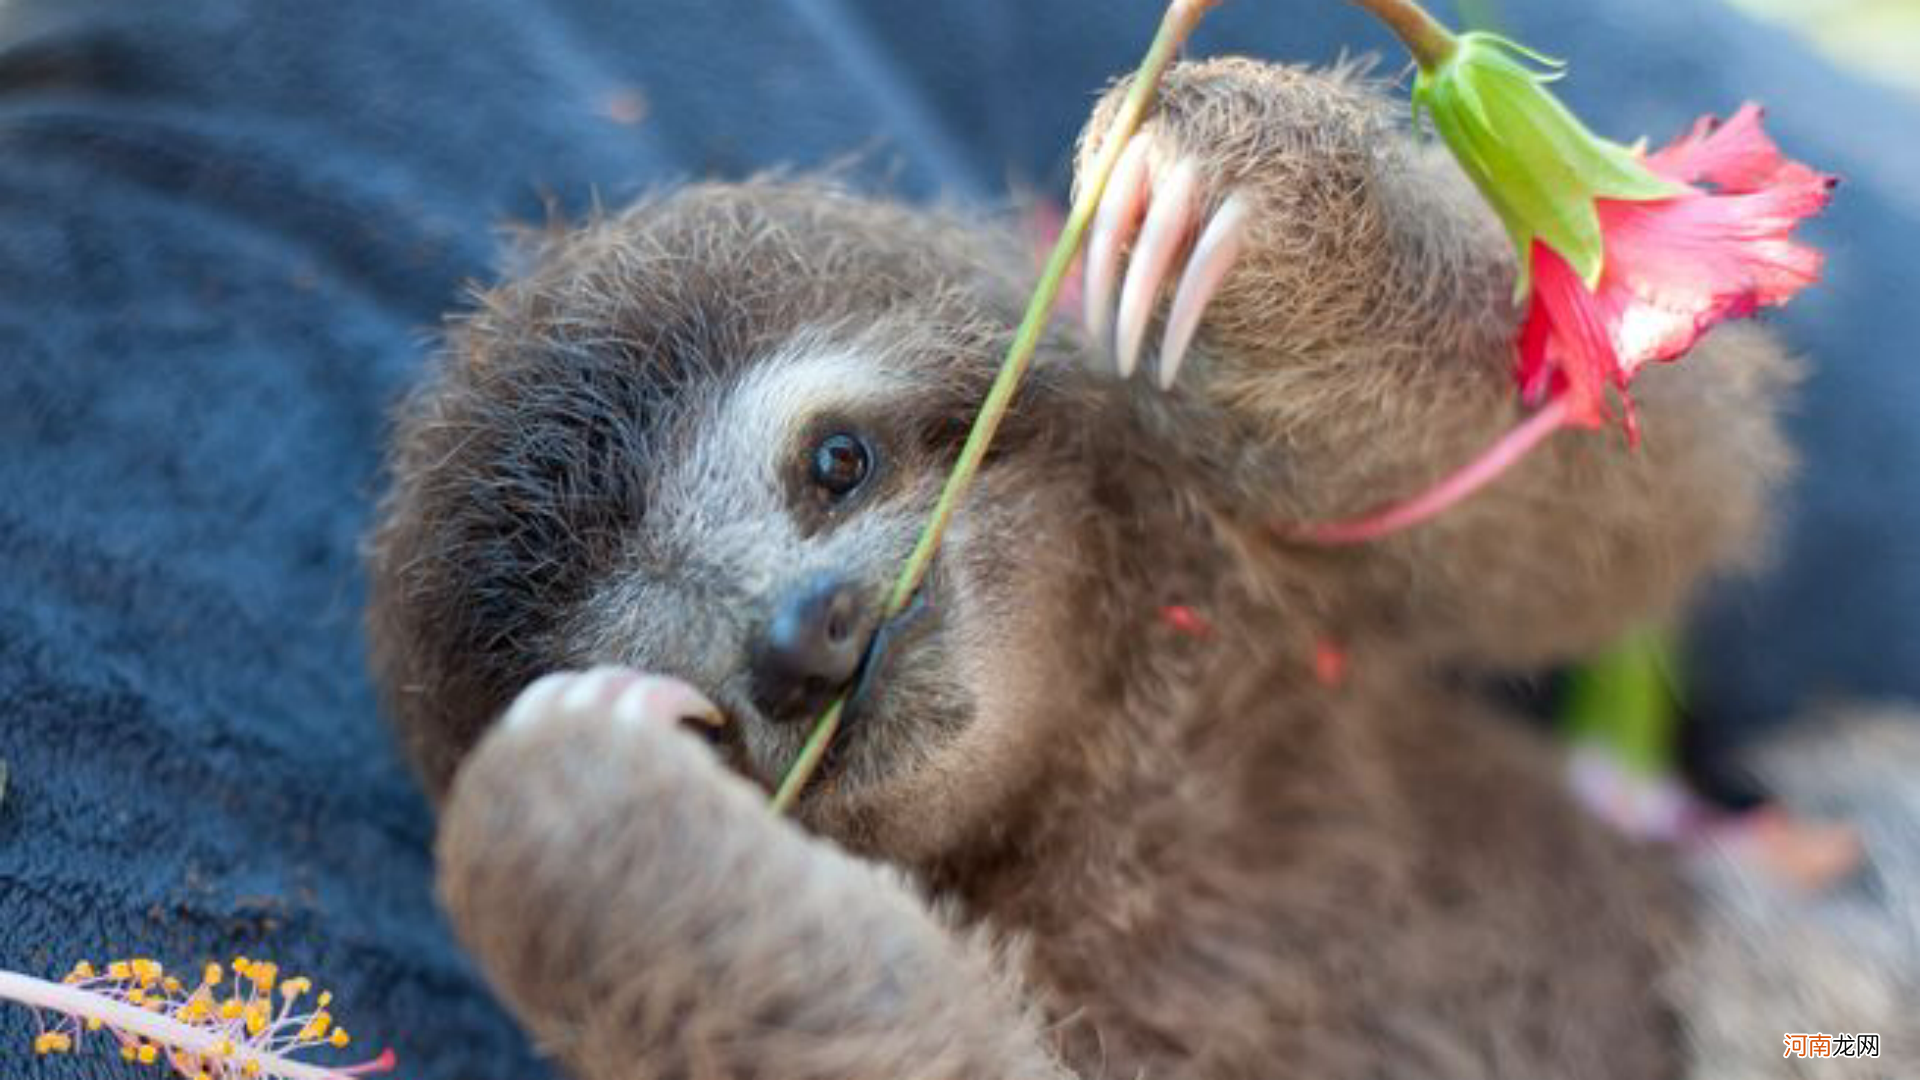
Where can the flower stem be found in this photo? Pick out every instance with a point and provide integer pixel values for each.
(1178, 22)
(1451, 489)
(811, 752)
(1430, 42)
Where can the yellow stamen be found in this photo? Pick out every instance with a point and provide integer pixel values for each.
(263, 974)
(316, 1028)
(237, 1034)
(53, 1042)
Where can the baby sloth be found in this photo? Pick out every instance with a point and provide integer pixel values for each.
(1094, 810)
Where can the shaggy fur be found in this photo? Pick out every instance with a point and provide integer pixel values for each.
(1767, 960)
(1112, 847)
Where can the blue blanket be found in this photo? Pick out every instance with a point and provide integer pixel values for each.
(227, 231)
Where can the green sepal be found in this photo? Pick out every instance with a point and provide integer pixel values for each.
(1535, 163)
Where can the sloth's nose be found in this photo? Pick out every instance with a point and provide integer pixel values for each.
(810, 649)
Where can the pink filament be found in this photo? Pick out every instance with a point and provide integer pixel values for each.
(1451, 489)
(384, 1063)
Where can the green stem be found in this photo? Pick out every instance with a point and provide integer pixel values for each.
(1628, 700)
(811, 752)
(1430, 42)
(1178, 22)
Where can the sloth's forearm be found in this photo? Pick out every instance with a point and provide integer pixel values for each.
(646, 916)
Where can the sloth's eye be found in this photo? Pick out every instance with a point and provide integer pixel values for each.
(840, 463)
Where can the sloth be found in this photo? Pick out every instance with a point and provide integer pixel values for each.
(1101, 803)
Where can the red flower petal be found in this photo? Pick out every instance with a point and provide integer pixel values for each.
(1536, 369)
(1684, 264)
(1734, 156)
(1566, 343)
(1674, 267)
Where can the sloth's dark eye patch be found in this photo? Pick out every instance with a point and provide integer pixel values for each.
(841, 462)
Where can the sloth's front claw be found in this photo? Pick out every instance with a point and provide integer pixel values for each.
(1212, 256)
(1171, 205)
(1169, 223)
(1121, 206)
(621, 694)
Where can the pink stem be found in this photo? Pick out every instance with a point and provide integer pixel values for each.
(1421, 33)
(1451, 489)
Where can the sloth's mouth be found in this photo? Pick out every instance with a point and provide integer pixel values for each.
(889, 641)
(866, 695)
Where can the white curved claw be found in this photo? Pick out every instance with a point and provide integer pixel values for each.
(661, 699)
(1212, 257)
(1169, 220)
(536, 700)
(1121, 206)
(626, 695)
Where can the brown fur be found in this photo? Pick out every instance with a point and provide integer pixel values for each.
(1142, 852)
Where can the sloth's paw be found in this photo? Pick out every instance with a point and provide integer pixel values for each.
(617, 694)
(1152, 217)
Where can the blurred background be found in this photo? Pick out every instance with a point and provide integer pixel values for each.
(230, 228)
(1877, 37)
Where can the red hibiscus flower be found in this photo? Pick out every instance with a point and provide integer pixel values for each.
(1623, 257)
(1673, 267)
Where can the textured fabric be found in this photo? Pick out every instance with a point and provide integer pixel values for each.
(228, 227)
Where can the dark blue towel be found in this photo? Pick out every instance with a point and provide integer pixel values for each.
(228, 227)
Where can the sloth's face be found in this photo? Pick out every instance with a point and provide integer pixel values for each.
(702, 438)
(778, 515)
